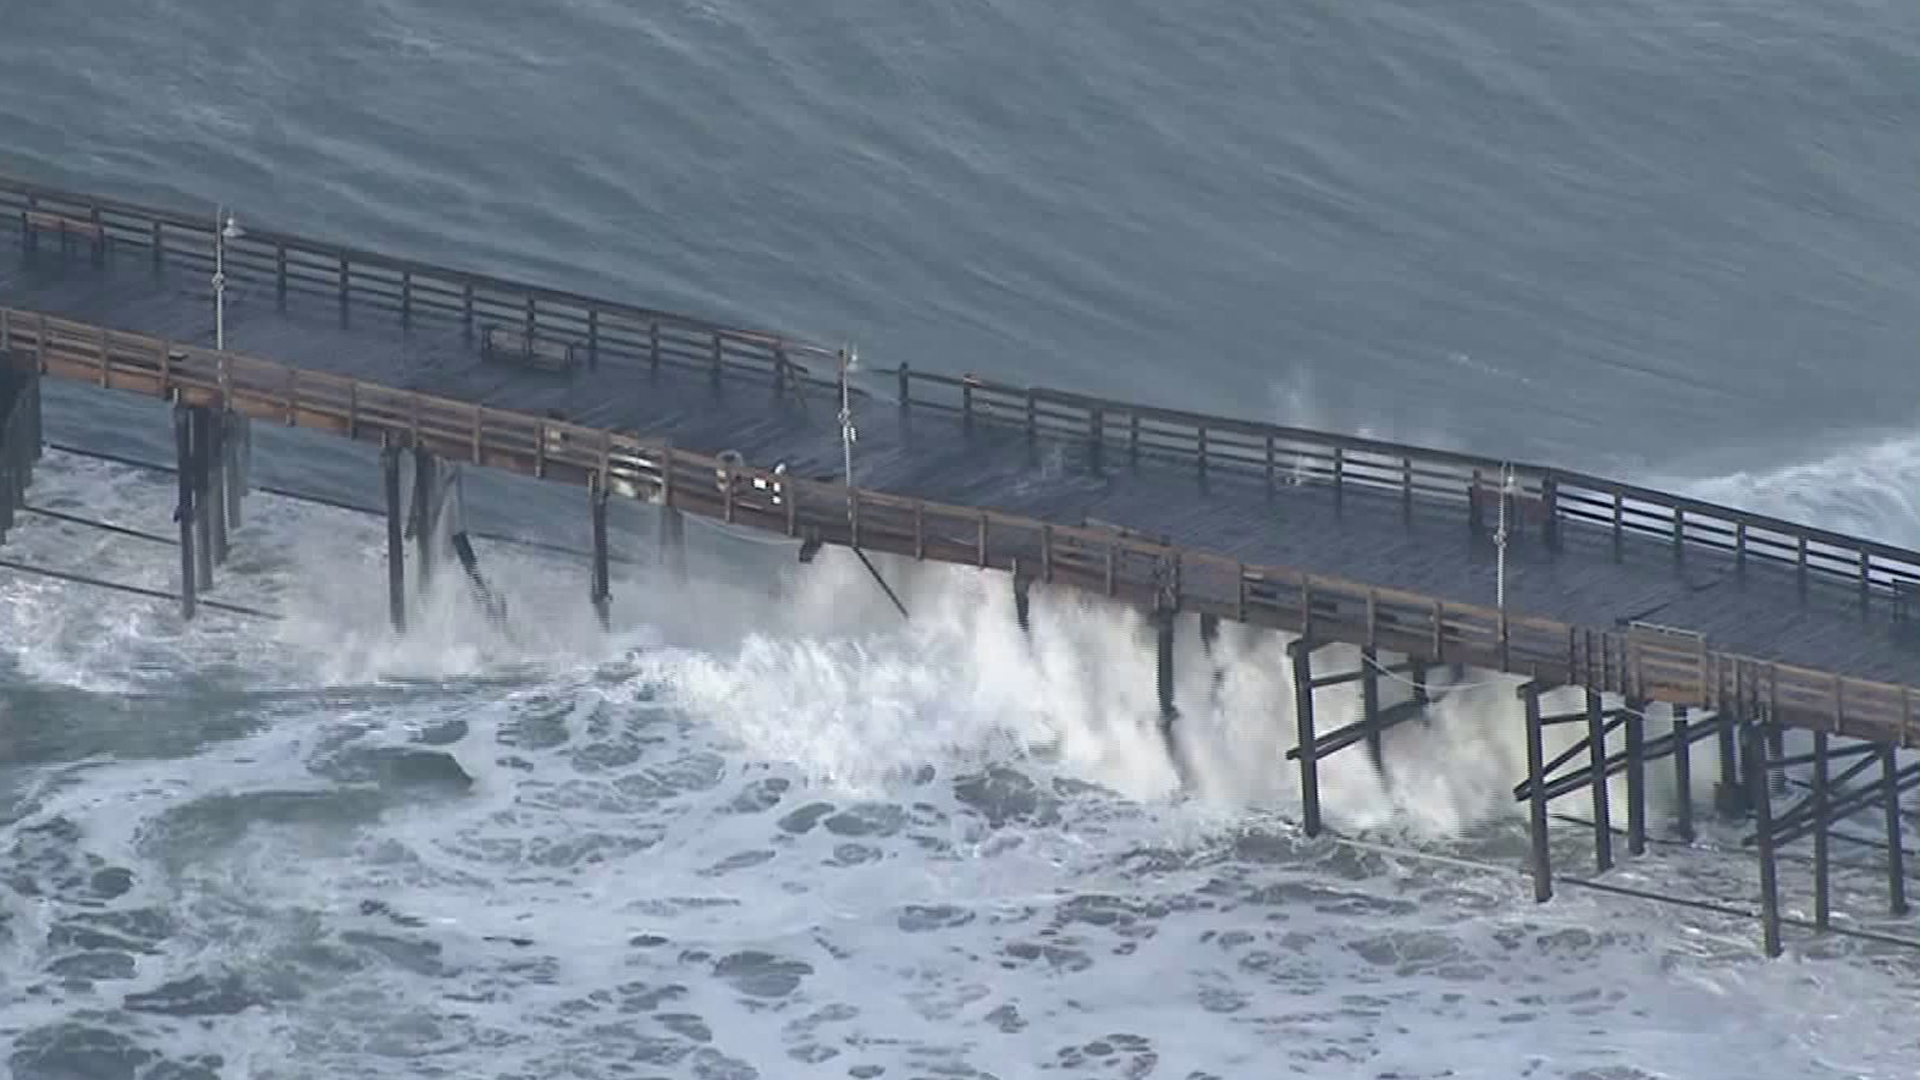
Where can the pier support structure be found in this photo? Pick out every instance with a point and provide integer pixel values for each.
(211, 449)
(673, 542)
(1371, 728)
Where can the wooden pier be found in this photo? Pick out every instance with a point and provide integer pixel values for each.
(1748, 623)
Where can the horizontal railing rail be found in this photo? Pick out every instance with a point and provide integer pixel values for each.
(415, 290)
(1545, 497)
(1641, 662)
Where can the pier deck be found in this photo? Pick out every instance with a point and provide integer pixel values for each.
(1584, 551)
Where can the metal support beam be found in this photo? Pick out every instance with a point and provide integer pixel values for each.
(1754, 744)
(602, 590)
(1303, 722)
(183, 507)
(396, 540)
(1537, 796)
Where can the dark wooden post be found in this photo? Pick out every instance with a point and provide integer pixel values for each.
(1370, 704)
(200, 427)
(1890, 797)
(1636, 778)
(217, 483)
(1537, 796)
(396, 540)
(1597, 756)
(602, 592)
(183, 509)
(1755, 752)
(426, 495)
(1163, 626)
(1021, 608)
(1302, 650)
(1683, 771)
(1822, 904)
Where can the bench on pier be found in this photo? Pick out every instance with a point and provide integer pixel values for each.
(34, 222)
(505, 343)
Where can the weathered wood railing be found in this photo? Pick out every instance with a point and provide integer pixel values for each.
(1638, 661)
(1547, 499)
(357, 279)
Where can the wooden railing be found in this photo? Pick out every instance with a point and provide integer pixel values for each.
(597, 330)
(1647, 663)
(1546, 499)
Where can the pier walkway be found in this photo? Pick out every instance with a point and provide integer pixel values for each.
(1609, 587)
(1585, 551)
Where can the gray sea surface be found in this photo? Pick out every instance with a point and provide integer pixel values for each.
(1675, 242)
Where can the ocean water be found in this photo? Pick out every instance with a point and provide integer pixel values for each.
(1673, 242)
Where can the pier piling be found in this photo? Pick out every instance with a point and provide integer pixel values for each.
(1755, 753)
(396, 540)
(1636, 751)
(1890, 795)
(602, 591)
(1597, 756)
(1302, 652)
(1683, 773)
(183, 511)
(1537, 795)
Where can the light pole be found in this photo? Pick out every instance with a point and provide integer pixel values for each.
(223, 232)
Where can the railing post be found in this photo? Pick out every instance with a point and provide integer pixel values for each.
(1550, 507)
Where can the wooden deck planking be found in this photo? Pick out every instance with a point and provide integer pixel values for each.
(927, 454)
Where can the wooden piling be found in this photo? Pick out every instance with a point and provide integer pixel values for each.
(1303, 722)
(602, 590)
(1597, 756)
(396, 540)
(217, 483)
(1890, 797)
(1730, 794)
(1163, 669)
(199, 433)
(183, 509)
(1537, 797)
(234, 435)
(1418, 675)
(1370, 705)
(1754, 746)
(1683, 772)
(426, 496)
(1636, 778)
(1822, 901)
(1022, 584)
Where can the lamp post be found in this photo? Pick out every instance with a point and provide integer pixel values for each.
(224, 231)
